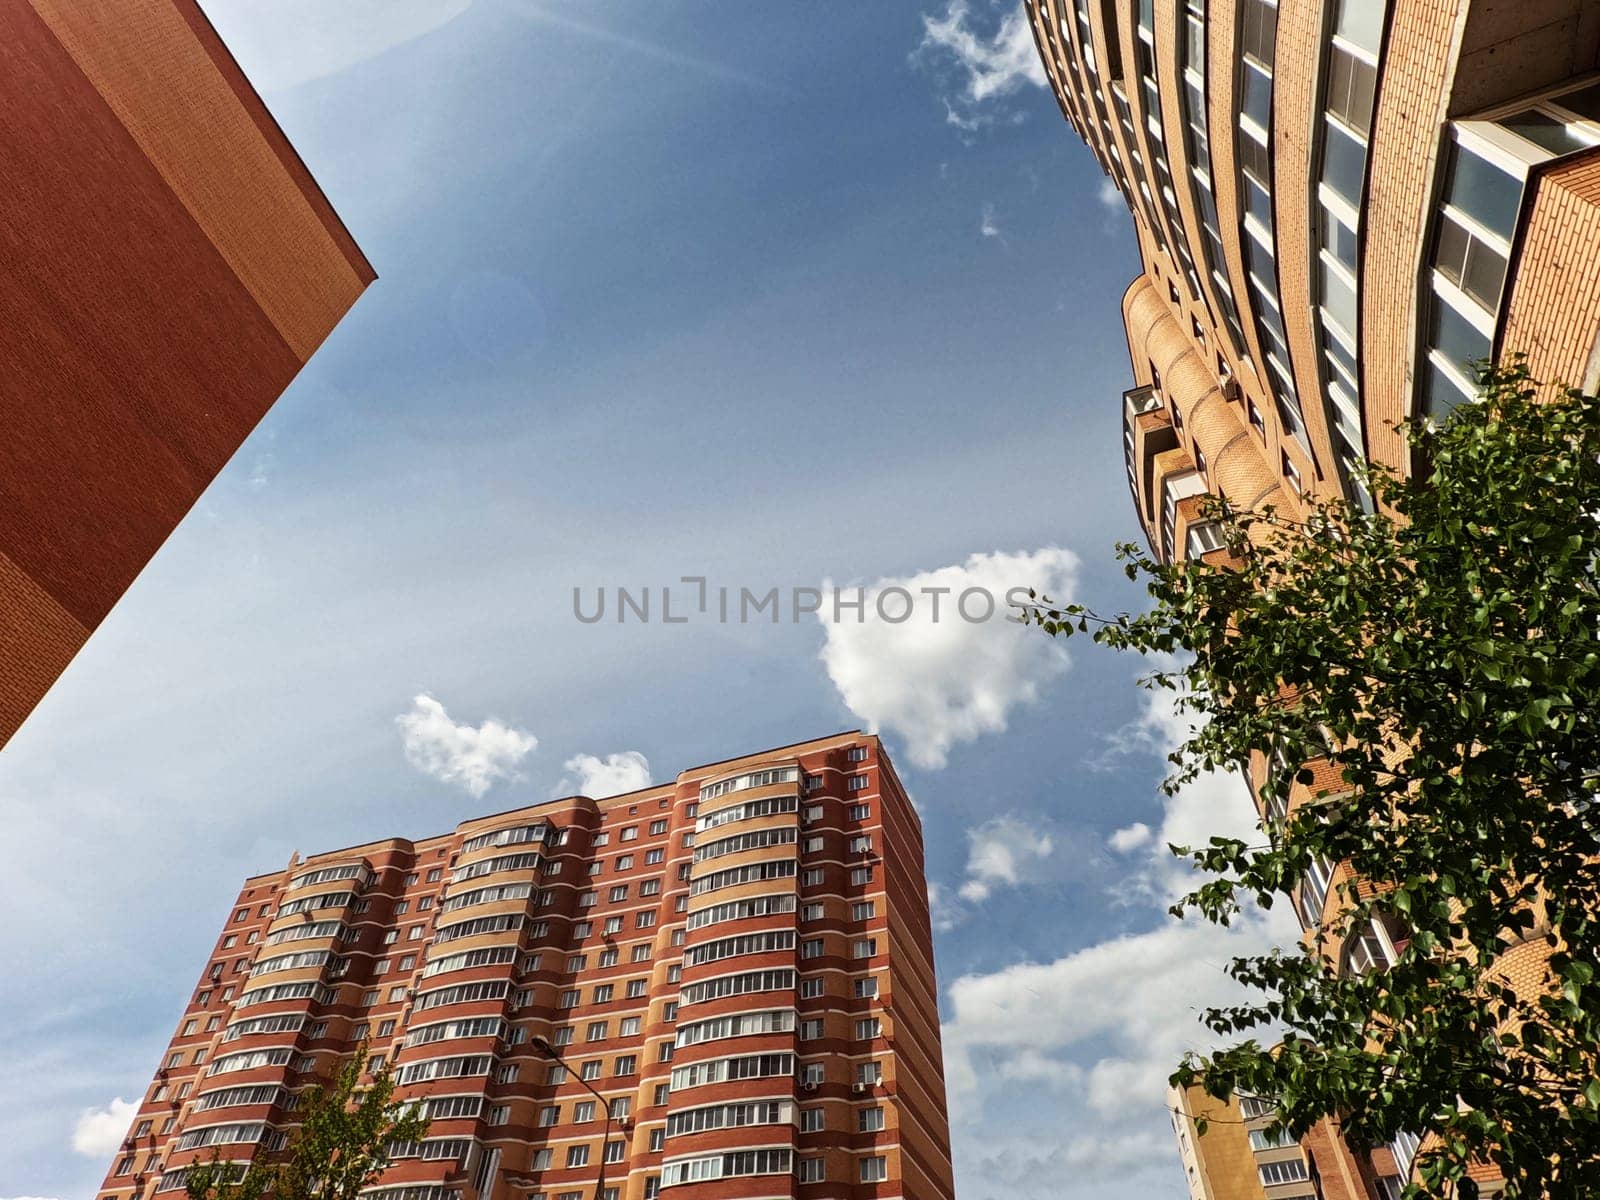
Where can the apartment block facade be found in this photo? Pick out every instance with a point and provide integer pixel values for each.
(1238, 1157)
(739, 963)
(1340, 206)
(169, 264)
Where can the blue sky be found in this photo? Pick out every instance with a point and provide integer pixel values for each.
(774, 294)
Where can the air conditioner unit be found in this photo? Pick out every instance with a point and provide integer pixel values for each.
(1230, 387)
(859, 1088)
(808, 1085)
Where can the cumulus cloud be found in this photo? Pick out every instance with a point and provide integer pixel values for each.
(1130, 837)
(1109, 195)
(934, 679)
(983, 61)
(597, 778)
(1109, 1021)
(100, 1131)
(471, 758)
(290, 42)
(1002, 852)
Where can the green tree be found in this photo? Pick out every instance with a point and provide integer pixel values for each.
(340, 1146)
(1443, 657)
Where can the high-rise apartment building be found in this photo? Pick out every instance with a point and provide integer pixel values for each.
(167, 264)
(1340, 205)
(1238, 1157)
(723, 984)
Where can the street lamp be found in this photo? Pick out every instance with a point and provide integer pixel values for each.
(550, 1052)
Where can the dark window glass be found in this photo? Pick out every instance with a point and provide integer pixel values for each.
(1457, 339)
(1440, 393)
(1543, 130)
(1344, 161)
(1257, 98)
(1260, 30)
(1484, 192)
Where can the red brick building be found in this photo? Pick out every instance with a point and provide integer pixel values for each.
(738, 962)
(168, 266)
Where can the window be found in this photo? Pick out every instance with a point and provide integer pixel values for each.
(541, 1160)
(658, 827)
(1272, 1174)
(658, 1140)
(555, 1075)
(597, 1031)
(856, 754)
(811, 1120)
(812, 1073)
(812, 877)
(563, 1036)
(618, 893)
(604, 993)
(860, 876)
(869, 1073)
(644, 920)
(425, 904)
(811, 948)
(626, 1064)
(653, 857)
(811, 1170)
(812, 845)
(614, 1152)
(583, 1112)
(637, 988)
(665, 1052)
(630, 834)
(859, 812)
(591, 1070)
(856, 783)
(669, 1011)
(630, 1027)
(625, 862)
(549, 1115)
(650, 887)
(620, 1108)
(874, 1169)
(596, 867)
(1292, 473)
(601, 839)
(810, 988)
(813, 782)
(864, 947)
(661, 1094)
(612, 925)
(577, 1156)
(608, 958)
(810, 1029)
(869, 1120)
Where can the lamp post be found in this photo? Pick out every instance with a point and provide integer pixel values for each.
(550, 1052)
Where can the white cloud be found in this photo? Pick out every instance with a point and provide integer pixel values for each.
(942, 911)
(1109, 195)
(936, 683)
(1001, 852)
(1130, 837)
(473, 759)
(1216, 804)
(1130, 1006)
(290, 42)
(597, 778)
(987, 67)
(100, 1131)
(987, 226)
